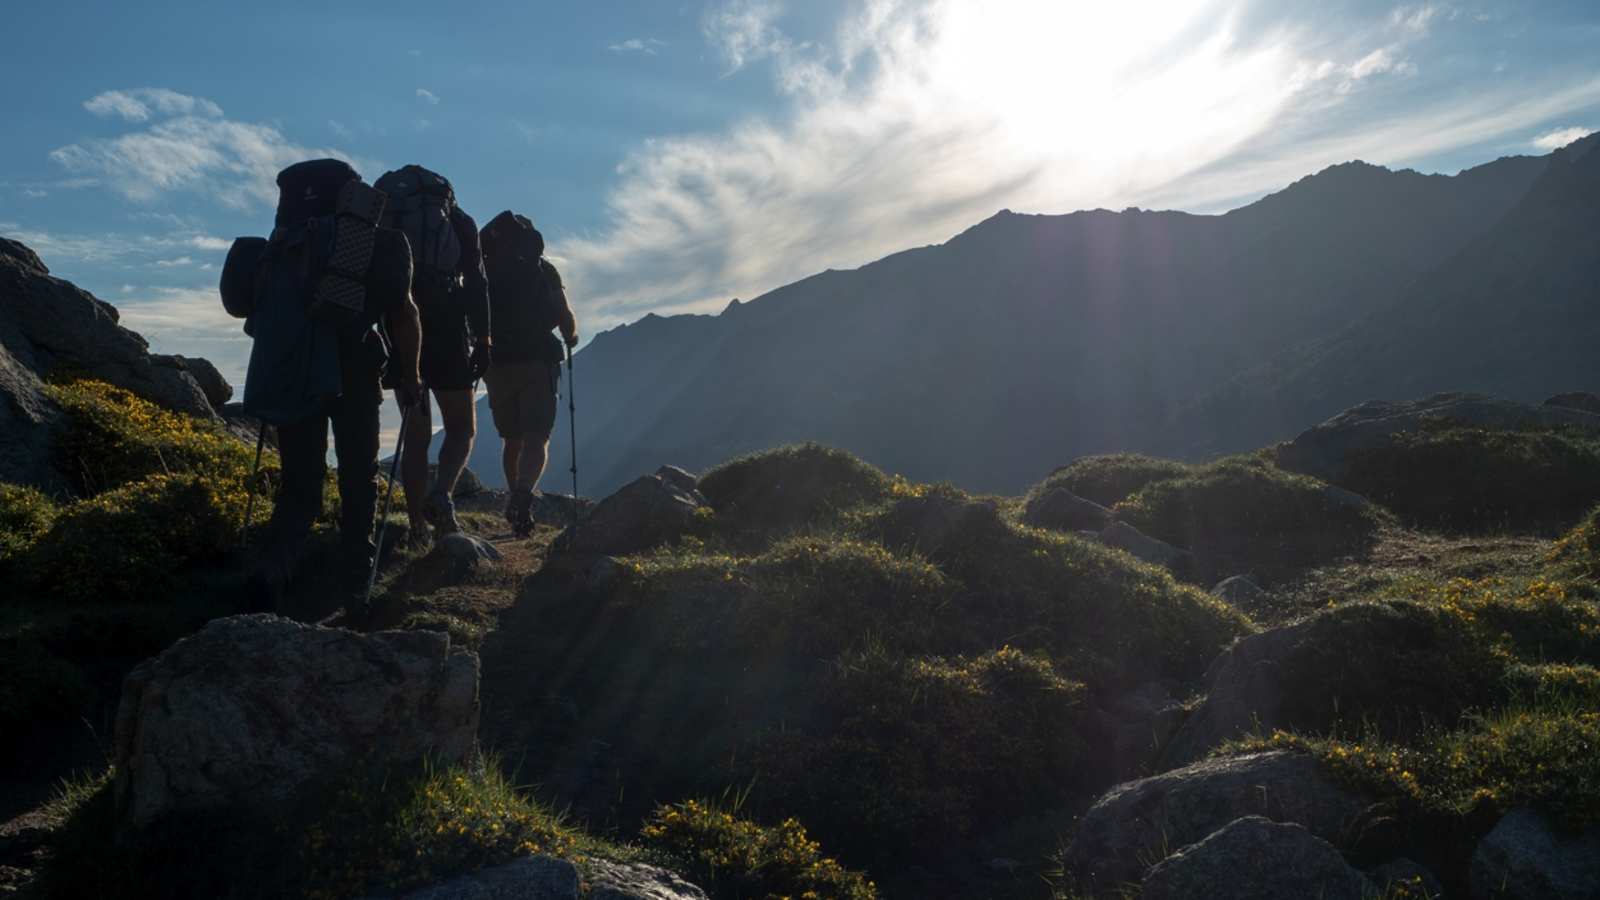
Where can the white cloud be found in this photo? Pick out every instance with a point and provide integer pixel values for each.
(744, 31)
(1559, 138)
(1416, 19)
(233, 162)
(919, 119)
(141, 104)
(175, 263)
(207, 242)
(427, 96)
(647, 46)
(34, 193)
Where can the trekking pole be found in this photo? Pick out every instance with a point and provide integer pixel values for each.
(388, 498)
(250, 504)
(572, 422)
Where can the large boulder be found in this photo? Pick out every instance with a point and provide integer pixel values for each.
(1141, 546)
(647, 512)
(1063, 510)
(253, 712)
(1255, 858)
(1133, 823)
(1323, 450)
(1524, 857)
(215, 387)
(547, 878)
(50, 324)
(1356, 666)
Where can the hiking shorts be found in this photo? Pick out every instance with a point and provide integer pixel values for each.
(522, 399)
(445, 364)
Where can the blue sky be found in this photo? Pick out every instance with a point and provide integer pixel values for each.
(681, 154)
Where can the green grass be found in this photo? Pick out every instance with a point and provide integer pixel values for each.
(1476, 480)
(733, 858)
(1110, 479)
(792, 486)
(1243, 515)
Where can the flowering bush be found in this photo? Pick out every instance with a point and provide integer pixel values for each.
(737, 859)
(25, 514)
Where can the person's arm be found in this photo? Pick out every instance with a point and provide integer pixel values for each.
(405, 335)
(568, 322)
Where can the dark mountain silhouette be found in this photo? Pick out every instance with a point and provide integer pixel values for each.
(1513, 312)
(1029, 339)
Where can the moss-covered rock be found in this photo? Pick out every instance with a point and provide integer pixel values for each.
(1110, 479)
(792, 486)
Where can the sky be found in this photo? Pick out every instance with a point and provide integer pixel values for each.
(681, 154)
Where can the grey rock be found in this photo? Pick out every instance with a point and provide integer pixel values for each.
(634, 881)
(1062, 510)
(1405, 878)
(253, 712)
(1525, 857)
(528, 878)
(1134, 822)
(465, 553)
(1576, 400)
(1255, 858)
(936, 525)
(1322, 451)
(1333, 668)
(1140, 722)
(678, 478)
(1241, 590)
(1125, 537)
(648, 512)
(1340, 498)
(216, 388)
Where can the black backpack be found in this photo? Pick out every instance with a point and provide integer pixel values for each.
(420, 204)
(523, 305)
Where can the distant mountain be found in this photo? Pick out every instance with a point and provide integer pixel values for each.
(1515, 312)
(1028, 339)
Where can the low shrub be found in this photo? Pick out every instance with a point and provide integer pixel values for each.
(1245, 515)
(1534, 619)
(1468, 479)
(792, 486)
(25, 515)
(113, 438)
(1578, 551)
(1554, 683)
(917, 752)
(37, 687)
(736, 859)
(1110, 479)
(131, 543)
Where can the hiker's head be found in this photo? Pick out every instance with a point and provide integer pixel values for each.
(311, 188)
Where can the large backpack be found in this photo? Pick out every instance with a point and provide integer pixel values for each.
(523, 305)
(420, 204)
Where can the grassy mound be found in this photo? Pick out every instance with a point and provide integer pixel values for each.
(1245, 515)
(734, 858)
(1467, 479)
(1578, 551)
(793, 486)
(1108, 480)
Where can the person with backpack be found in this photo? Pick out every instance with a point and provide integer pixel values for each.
(527, 302)
(452, 297)
(313, 296)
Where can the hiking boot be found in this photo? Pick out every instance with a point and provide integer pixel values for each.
(440, 511)
(519, 512)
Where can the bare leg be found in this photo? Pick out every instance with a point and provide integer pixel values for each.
(510, 453)
(414, 462)
(459, 417)
(531, 467)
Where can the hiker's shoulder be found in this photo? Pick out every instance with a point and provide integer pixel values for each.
(550, 270)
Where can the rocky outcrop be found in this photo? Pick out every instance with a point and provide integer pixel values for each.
(648, 512)
(1063, 510)
(1141, 546)
(217, 390)
(1255, 858)
(1360, 665)
(1525, 857)
(547, 878)
(1324, 450)
(50, 326)
(252, 712)
(1129, 827)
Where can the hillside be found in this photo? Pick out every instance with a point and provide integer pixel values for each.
(1027, 339)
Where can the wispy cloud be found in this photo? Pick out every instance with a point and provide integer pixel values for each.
(141, 104)
(918, 119)
(34, 193)
(1559, 138)
(427, 96)
(195, 148)
(646, 46)
(121, 249)
(174, 263)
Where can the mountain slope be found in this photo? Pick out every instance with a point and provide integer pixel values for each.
(1025, 340)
